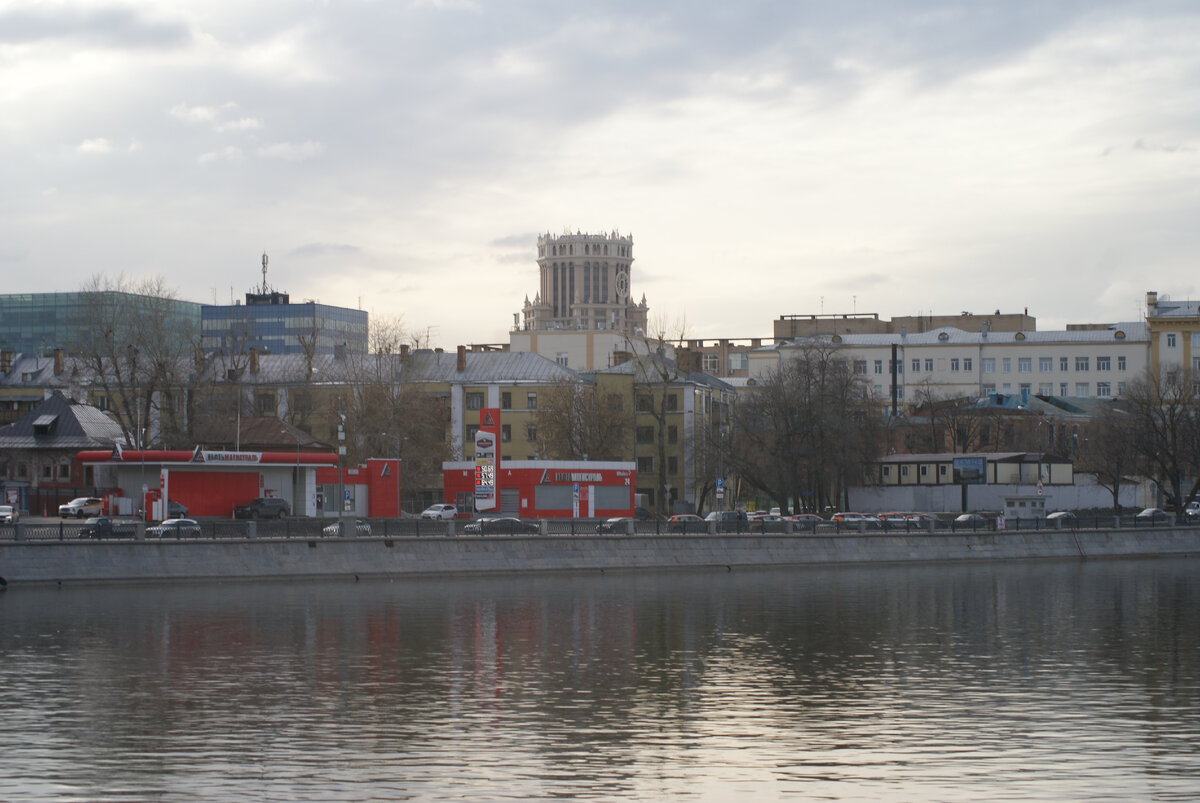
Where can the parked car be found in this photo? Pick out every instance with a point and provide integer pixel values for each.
(972, 521)
(81, 507)
(728, 521)
(1153, 515)
(176, 510)
(441, 512)
(807, 521)
(107, 527)
(361, 527)
(686, 523)
(617, 524)
(852, 520)
(175, 528)
(1192, 511)
(8, 514)
(264, 507)
(1065, 516)
(502, 525)
(643, 514)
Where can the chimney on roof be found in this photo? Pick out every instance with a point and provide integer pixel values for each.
(253, 360)
(404, 349)
(1151, 304)
(462, 358)
(6, 360)
(58, 362)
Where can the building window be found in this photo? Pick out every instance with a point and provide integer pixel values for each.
(887, 471)
(561, 359)
(506, 401)
(711, 363)
(645, 435)
(924, 470)
(645, 465)
(47, 471)
(64, 470)
(1045, 364)
(475, 400)
(989, 387)
(916, 365)
(672, 465)
(1103, 389)
(860, 366)
(1081, 390)
(879, 366)
(672, 434)
(1120, 388)
(672, 402)
(1103, 363)
(645, 404)
(896, 365)
(1121, 363)
(264, 403)
(987, 365)
(505, 433)
(1006, 365)
(472, 431)
(531, 433)
(1062, 389)
(22, 471)
(903, 471)
(1024, 365)
(954, 363)
(1171, 340)
(1064, 363)
(1081, 363)
(1026, 388)
(531, 401)
(1045, 388)
(968, 364)
(929, 364)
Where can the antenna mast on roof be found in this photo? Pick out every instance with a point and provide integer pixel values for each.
(264, 287)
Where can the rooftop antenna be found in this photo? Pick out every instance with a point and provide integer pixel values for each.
(264, 287)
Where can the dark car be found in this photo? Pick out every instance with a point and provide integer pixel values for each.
(176, 510)
(617, 524)
(268, 507)
(1153, 515)
(505, 525)
(107, 527)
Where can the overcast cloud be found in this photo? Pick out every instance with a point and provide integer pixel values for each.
(768, 158)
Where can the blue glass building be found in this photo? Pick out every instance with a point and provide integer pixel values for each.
(270, 323)
(38, 323)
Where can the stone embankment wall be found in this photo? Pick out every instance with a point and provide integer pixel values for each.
(259, 558)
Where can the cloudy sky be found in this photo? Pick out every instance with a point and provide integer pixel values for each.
(769, 158)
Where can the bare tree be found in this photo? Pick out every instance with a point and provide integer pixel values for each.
(1165, 411)
(140, 353)
(578, 420)
(807, 431)
(1111, 453)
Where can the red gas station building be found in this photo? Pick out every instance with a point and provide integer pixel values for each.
(212, 483)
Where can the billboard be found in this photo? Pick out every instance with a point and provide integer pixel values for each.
(487, 459)
(970, 470)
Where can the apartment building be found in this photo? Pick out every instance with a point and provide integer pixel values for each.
(951, 362)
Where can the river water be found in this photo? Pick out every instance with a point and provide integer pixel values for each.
(1002, 681)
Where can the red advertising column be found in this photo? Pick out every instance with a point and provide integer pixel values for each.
(487, 459)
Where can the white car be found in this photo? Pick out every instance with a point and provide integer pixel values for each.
(440, 512)
(8, 514)
(81, 508)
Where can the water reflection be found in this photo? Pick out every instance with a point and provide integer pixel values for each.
(1036, 680)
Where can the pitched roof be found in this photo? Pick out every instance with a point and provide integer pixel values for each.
(60, 423)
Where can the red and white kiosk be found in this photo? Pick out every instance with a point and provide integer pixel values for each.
(536, 489)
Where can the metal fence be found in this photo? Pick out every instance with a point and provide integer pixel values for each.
(307, 528)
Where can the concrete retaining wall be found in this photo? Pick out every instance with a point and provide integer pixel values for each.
(75, 562)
